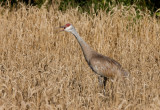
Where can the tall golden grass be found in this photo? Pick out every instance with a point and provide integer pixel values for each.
(43, 69)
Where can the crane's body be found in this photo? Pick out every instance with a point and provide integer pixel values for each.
(102, 65)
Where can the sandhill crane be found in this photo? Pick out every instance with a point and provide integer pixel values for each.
(104, 66)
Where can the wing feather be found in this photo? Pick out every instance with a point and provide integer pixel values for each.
(105, 66)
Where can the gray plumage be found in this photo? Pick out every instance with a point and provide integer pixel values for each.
(102, 65)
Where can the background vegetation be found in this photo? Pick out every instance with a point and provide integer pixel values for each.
(43, 69)
(85, 5)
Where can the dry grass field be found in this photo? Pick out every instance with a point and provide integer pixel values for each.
(41, 69)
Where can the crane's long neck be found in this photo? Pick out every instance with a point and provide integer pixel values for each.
(87, 50)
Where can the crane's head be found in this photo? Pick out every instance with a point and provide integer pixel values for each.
(68, 27)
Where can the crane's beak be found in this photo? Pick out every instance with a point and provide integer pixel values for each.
(63, 27)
